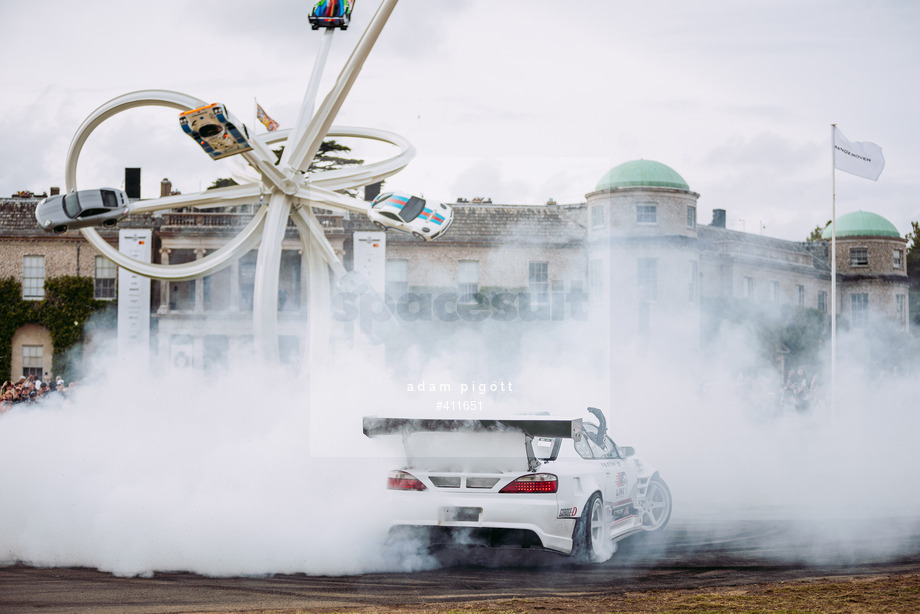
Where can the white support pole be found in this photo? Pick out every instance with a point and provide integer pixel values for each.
(268, 267)
(307, 145)
(309, 98)
(833, 389)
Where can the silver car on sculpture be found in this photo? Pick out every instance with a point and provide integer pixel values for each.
(63, 212)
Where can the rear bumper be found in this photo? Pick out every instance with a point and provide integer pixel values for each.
(496, 520)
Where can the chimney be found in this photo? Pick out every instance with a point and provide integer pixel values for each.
(133, 182)
(165, 187)
(718, 218)
(372, 191)
(55, 191)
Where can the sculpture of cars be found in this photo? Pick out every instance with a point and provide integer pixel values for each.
(532, 481)
(410, 214)
(331, 14)
(82, 208)
(215, 130)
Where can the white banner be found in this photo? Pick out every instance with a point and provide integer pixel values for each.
(134, 297)
(371, 258)
(859, 158)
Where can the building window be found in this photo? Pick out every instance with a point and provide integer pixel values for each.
(859, 256)
(691, 217)
(647, 279)
(800, 295)
(289, 284)
(246, 280)
(104, 279)
(822, 301)
(468, 280)
(598, 216)
(902, 307)
(898, 259)
(33, 278)
(397, 278)
(748, 288)
(694, 277)
(646, 214)
(538, 280)
(596, 279)
(774, 291)
(859, 308)
(32, 357)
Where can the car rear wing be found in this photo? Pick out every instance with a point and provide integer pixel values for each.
(531, 427)
(569, 428)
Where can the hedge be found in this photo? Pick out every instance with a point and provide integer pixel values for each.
(64, 311)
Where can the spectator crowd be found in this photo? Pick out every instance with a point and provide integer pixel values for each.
(33, 389)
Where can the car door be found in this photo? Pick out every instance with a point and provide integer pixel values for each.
(620, 486)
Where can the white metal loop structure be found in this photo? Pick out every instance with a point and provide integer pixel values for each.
(292, 190)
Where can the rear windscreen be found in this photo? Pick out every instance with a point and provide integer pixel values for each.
(109, 199)
(464, 451)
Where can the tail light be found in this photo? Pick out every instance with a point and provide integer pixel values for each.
(401, 480)
(533, 483)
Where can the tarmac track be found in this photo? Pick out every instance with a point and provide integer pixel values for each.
(684, 557)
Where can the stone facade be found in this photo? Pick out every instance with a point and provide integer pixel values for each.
(874, 283)
(637, 251)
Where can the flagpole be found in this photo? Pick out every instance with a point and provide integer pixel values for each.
(833, 273)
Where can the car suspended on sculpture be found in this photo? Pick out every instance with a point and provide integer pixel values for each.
(529, 481)
(215, 130)
(331, 14)
(80, 209)
(410, 214)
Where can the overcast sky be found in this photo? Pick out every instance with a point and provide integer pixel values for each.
(516, 100)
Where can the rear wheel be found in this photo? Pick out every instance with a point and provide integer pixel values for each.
(655, 509)
(589, 534)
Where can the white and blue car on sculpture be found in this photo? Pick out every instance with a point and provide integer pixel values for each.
(411, 214)
(530, 481)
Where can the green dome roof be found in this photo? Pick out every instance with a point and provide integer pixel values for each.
(642, 173)
(862, 223)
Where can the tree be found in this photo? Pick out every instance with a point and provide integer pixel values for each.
(817, 232)
(324, 160)
(222, 182)
(327, 160)
(913, 256)
(913, 270)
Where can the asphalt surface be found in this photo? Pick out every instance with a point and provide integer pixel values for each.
(695, 555)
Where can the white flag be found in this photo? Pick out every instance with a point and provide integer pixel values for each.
(860, 158)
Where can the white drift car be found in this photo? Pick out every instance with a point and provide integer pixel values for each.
(533, 481)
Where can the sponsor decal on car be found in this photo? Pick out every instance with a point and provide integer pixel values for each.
(568, 512)
(622, 484)
(622, 512)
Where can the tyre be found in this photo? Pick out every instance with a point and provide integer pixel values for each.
(590, 534)
(380, 226)
(655, 508)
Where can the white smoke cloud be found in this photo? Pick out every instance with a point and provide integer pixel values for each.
(138, 472)
(255, 470)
